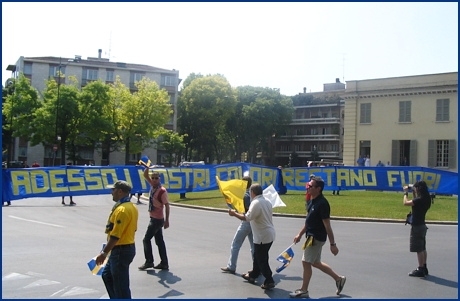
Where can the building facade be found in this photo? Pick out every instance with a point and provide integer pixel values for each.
(39, 69)
(316, 130)
(411, 120)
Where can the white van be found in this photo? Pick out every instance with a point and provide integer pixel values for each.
(185, 164)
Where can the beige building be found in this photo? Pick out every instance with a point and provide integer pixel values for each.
(410, 118)
(38, 69)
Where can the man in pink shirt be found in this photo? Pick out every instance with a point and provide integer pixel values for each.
(157, 201)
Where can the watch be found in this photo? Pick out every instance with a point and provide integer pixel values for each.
(334, 244)
(104, 253)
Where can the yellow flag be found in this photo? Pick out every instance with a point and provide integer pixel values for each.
(233, 192)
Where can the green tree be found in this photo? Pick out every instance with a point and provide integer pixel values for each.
(206, 104)
(262, 113)
(173, 144)
(138, 118)
(20, 105)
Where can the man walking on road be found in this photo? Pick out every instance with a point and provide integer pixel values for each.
(243, 230)
(157, 201)
(317, 227)
(120, 229)
(260, 217)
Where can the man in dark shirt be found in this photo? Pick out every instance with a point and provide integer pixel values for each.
(317, 228)
(420, 203)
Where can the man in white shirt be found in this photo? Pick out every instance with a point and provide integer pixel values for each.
(260, 217)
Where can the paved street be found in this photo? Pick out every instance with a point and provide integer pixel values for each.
(45, 248)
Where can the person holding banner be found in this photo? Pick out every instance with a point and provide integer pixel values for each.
(158, 200)
(243, 231)
(317, 228)
(260, 217)
(120, 229)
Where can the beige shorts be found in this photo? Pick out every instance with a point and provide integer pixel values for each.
(312, 254)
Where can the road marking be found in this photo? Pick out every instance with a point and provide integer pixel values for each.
(41, 282)
(79, 291)
(32, 221)
(59, 291)
(14, 276)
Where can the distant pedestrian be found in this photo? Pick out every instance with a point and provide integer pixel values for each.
(360, 161)
(72, 203)
(367, 161)
(138, 197)
(388, 164)
(35, 164)
(380, 164)
(8, 203)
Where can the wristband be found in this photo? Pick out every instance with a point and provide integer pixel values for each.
(406, 193)
(104, 254)
(333, 245)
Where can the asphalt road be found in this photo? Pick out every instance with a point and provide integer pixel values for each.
(45, 248)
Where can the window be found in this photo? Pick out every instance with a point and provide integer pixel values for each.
(442, 153)
(23, 151)
(169, 81)
(91, 74)
(109, 76)
(54, 71)
(137, 77)
(134, 157)
(27, 68)
(405, 111)
(86, 154)
(314, 131)
(365, 114)
(442, 109)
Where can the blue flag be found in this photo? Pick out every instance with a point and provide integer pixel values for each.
(97, 269)
(285, 258)
(145, 161)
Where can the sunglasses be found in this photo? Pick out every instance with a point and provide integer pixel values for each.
(155, 178)
(310, 186)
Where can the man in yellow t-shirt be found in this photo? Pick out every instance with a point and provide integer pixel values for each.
(120, 229)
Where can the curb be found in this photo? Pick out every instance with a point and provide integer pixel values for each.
(338, 218)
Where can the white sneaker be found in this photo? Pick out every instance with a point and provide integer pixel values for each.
(340, 283)
(299, 294)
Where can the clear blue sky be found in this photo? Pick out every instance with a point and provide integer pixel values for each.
(278, 45)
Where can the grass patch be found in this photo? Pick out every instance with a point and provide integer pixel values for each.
(353, 203)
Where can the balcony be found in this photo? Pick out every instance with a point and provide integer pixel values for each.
(318, 120)
(307, 154)
(326, 137)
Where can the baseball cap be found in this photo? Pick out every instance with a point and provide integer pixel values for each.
(123, 185)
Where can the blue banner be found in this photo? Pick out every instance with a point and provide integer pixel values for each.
(19, 183)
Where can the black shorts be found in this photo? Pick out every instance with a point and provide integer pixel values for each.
(418, 238)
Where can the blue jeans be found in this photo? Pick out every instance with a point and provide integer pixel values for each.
(116, 271)
(243, 230)
(154, 229)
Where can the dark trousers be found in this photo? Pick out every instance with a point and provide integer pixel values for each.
(155, 229)
(116, 271)
(260, 262)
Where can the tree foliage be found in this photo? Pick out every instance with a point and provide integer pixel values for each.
(206, 104)
(172, 143)
(138, 118)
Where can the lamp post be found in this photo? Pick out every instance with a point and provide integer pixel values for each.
(56, 137)
(10, 157)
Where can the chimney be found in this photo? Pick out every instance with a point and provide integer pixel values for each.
(304, 89)
(100, 53)
(337, 80)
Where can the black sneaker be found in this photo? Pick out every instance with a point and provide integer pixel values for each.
(418, 272)
(161, 266)
(145, 266)
(426, 270)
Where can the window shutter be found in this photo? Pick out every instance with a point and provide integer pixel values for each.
(413, 153)
(394, 152)
(452, 154)
(431, 153)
